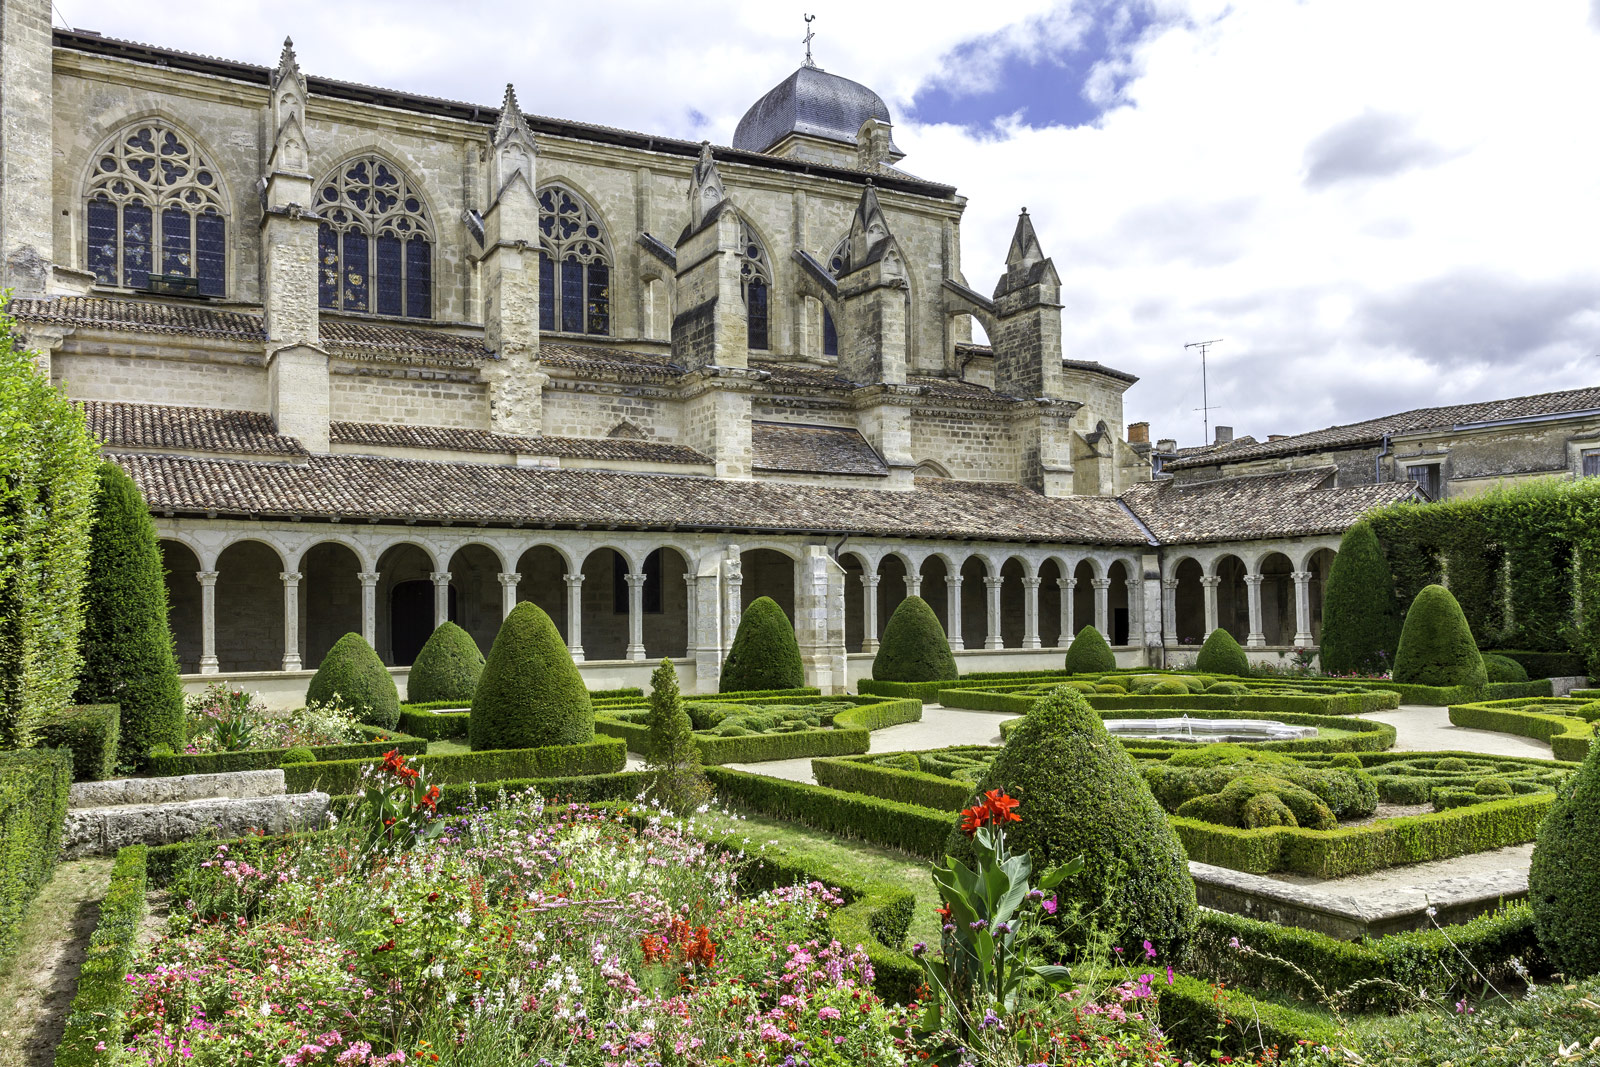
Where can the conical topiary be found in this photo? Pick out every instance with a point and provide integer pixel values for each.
(1360, 619)
(126, 642)
(530, 693)
(354, 674)
(1564, 880)
(1089, 653)
(1436, 645)
(447, 668)
(914, 647)
(765, 654)
(1221, 654)
(680, 781)
(1082, 795)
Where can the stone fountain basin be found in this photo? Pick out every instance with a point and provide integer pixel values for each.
(1186, 729)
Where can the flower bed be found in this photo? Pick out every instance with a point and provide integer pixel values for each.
(752, 729)
(1545, 719)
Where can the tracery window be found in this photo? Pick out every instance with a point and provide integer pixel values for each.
(155, 207)
(830, 331)
(375, 243)
(755, 284)
(574, 265)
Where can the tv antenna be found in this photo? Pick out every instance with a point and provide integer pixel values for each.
(807, 39)
(1205, 392)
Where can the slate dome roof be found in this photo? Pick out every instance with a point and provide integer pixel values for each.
(810, 101)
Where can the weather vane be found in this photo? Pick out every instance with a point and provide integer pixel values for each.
(808, 36)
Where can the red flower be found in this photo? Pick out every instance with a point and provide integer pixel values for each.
(387, 946)
(972, 818)
(999, 806)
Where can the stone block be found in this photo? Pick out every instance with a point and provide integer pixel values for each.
(104, 830)
(176, 789)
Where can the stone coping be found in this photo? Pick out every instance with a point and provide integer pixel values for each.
(176, 789)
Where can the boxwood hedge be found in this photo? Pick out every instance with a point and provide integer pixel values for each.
(1547, 719)
(162, 764)
(93, 1032)
(90, 731)
(850, 734)
(603, 755)
(33, 804)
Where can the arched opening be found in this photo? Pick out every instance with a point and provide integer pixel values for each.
(180, 565)
(1013, 603)
(1318, 565)
(475, 593)
(405, 604)
(974, 603)
(249, 608)
(1189, 603)
(1050, 604)
(1119, 608)
(1277, 600)
(1233, 602)
(605, 612)
(936, 591)
(891, 589)
(855, 594)
(666, 604)
(544, 583)
(330, 598)
(767, 573)
(1083, 600)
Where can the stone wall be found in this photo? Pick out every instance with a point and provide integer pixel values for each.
(411, 396)
(148, 374)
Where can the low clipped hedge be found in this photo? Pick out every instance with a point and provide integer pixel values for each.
(431, 726)
(1536, 687)
(1545, 664)
(163, 764)
(908, 827)
(1542, 719)
(91, 732)
(903, 785)
(34, 784)
(851, 731)
(93, 1032)
(600, 756)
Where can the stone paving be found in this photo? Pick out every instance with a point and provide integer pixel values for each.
(940, 727)
(1424, 729)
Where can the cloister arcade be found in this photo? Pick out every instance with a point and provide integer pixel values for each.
(1267, 595)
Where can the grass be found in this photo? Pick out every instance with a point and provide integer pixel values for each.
(450, 746)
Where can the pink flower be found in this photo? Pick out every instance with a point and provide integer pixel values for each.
(827, 1013)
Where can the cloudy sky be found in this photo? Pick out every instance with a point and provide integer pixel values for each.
(1376, 204)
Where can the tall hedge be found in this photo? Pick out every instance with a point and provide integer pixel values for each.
(765, 654)
(352, 672)
(1360, 618)
(126, 642)
(1221, 654)
(530, 693)
(34, 785)
(47, 487)
(447, 668)
(1089, 653)
(1082, 795)
(1436, 646)
(1564, 879)
(914, 647)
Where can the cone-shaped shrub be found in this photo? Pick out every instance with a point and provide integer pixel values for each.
(126, 643)
(1564, 880)
(1360, 619)
(530, 693)
(680, 782)
(765, 654)
(447, 668)
(1082, 795)
(1436, 645)
(1221, 654)
(914, 647)
(1089, 653)
(353, 672)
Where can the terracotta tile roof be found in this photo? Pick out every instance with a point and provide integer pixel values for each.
(140, 316)
(782, 446)
(141, 426)
(955, 388)
(360, 340)
(1372, 431)
(397, 489)
(458, 439)
(1289, 504)
(789, 374)
(607, 358)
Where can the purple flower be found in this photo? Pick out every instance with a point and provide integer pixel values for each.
(1049, 906)
(1149, 951)
(919, 948)
(1169, 974)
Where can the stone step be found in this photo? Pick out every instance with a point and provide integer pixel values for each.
(102, 830)
(177, 788)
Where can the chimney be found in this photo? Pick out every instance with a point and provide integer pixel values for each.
(1138, 433)
(1167, 445)
(1276, 436)
(1224, 436)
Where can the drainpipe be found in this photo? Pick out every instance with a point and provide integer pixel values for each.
(1377, 463)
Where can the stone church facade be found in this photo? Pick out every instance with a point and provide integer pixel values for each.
(378, 360)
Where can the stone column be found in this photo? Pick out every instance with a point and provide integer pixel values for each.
(819, 619)
(691, 623)
(952, 611)
(706, 622)
(1067, 586)
(1030, 628)
(208, 621)
(1302, 609)
(1102, 606)
(732, 592)
(575, 616)
(291, 619)
(1257, 637)
(994, 639)
(508, 592)
(441, 598)
(369, 606)
(1169, 611)
(913, 584)
(869, 613)
(635, 616)
(1210, 583)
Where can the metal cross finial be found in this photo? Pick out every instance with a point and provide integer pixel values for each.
(807, 39)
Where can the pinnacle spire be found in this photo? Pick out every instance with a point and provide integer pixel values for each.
(511, 122)
(706, 190)
(1025, 250)
(288, 63)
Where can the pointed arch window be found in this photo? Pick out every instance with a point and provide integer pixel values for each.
(574, 265)
(155, 206)
(375, 243)
(830, 331)
(755, 285)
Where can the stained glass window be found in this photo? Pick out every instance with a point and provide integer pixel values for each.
(375, 242)
(574, 264)
(155, 205)
(755, 278)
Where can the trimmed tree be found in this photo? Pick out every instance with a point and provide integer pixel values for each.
(1564, 880)
(530, 693)
(353, 674)
(914, 647)
(1360, 619)
(1082, 795)
(765, 654)
(680, 781)
(447, 668)
(1221, 654)
(1436, 645)
(126, 642)
(1089, 653)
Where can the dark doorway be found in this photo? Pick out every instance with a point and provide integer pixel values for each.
(1119, 626)
(411, 618)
